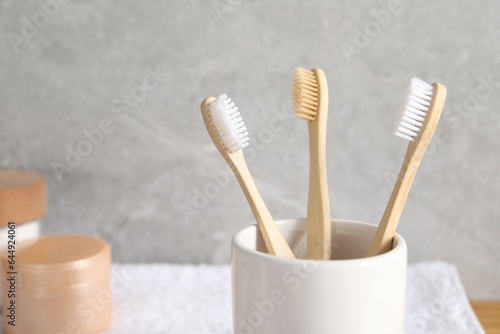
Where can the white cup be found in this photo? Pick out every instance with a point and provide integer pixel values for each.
(351, 294)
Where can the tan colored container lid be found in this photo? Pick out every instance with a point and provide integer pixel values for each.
(22, 196)
(61, 262)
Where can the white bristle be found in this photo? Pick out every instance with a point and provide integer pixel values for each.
(228, 123)
(415, 111)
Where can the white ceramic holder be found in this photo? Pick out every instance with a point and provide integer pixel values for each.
(350, 294)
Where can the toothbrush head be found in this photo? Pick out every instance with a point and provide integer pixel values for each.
(228, 124)
(305, 94)
(416, 110)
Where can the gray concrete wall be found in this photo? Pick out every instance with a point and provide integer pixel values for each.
(84, 69)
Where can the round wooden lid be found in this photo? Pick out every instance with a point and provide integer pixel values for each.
(60, 262)
(22, 196)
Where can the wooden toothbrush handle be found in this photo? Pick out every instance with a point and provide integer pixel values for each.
(386, 230)
(273, 239)
(318, 208)
(414, 155)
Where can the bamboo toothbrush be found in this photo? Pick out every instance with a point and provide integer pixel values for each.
(417, 124)
(229, 134)
(310, 99)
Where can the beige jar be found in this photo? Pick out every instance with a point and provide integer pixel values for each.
(23, 200)
(60, 285)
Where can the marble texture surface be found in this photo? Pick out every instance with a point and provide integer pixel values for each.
(130, 76)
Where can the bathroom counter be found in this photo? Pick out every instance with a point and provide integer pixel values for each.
(180, 299)
(488, 313)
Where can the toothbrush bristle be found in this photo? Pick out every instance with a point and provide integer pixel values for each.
(228, 123)
(415, 111)
(305, 94)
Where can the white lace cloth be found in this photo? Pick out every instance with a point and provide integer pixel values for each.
(188, 299)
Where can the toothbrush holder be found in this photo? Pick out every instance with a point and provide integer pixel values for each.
(351, 293)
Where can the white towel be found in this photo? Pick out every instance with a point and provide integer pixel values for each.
(189, 299)
(437, 302)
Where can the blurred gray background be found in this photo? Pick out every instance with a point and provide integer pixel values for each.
(103, 98)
